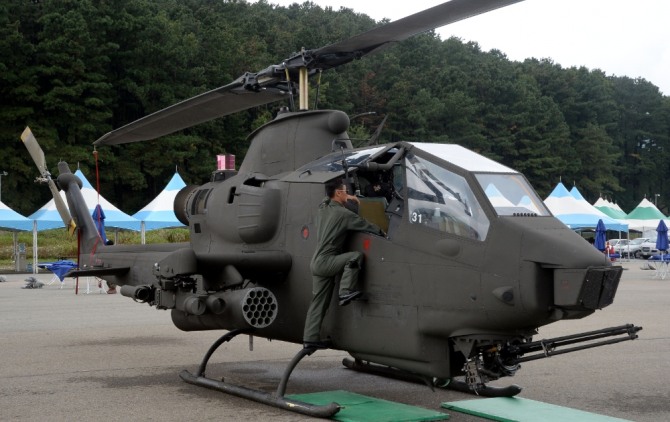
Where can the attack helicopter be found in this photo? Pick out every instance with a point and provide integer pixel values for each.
(472, 263)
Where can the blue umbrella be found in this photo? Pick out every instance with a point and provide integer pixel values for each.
(601, 236)
(662, 236)
(99, 219)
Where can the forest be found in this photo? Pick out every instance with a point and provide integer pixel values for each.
(73, 70)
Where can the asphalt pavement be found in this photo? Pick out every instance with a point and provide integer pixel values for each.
(99, 357)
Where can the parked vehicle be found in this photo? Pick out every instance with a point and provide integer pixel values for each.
(618, 243)
(648, 249)
(633, 247)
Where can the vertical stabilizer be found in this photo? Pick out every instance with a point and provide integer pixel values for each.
(88, 235)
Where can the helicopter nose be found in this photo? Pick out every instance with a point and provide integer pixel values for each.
(560, 248)
(583, 278)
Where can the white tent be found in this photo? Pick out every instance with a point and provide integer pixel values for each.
(47, 217)
(644, 218)
(159, 213)
(578, 196)
(610, 209)
(11, 220)
(578, 214)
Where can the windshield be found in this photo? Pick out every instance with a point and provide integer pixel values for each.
(638, 241)
(510, 194)
(442, 200)
(333, 162)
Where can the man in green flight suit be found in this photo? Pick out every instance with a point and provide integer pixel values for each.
(333, 222)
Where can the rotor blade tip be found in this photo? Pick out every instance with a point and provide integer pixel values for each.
(26, 133)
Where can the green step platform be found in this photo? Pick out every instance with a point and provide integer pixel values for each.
(359, 408)
(516, 409)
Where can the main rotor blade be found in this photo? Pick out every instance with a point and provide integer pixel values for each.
(218, 102)
(435, 17)
(270, 84)
(37, 154)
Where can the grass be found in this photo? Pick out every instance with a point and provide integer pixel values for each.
(58, 244)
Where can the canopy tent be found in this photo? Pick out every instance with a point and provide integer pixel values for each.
(578, 214)
(578, 196)
(644, 218)
(612, 210)
(11, 220)
(47, 217)
(159, 213)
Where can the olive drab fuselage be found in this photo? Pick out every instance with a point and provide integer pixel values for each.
(460, 270)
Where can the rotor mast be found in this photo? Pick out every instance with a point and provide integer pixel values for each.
(303, 87)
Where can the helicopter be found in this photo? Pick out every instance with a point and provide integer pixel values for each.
(472, 263)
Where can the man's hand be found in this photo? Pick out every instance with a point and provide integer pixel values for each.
(353, 198)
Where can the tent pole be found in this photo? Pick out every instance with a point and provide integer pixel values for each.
(143, 235)
(34, 246)
(15, 237)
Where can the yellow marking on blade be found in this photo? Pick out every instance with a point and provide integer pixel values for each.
(26, 134)
(71, 227)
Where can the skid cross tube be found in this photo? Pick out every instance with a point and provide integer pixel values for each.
(277, 399)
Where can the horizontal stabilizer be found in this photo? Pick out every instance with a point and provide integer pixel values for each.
(98, 272)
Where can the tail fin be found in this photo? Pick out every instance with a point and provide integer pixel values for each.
(89, 239)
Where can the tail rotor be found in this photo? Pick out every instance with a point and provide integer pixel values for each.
(37, 155)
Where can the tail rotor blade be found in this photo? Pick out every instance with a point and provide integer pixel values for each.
(37, 155)
(35, 151)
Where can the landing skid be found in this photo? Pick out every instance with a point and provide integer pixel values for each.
(451, 384)
(275, 399)
(485, 390)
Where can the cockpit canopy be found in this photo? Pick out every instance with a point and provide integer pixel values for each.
(442, 186)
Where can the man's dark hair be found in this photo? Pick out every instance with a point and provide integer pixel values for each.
(333, 185)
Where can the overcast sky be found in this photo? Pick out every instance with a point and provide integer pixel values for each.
(621, 37)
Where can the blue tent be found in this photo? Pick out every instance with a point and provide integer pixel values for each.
(12, 220)
(159, 213)
(578, 214)
(47, 217)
